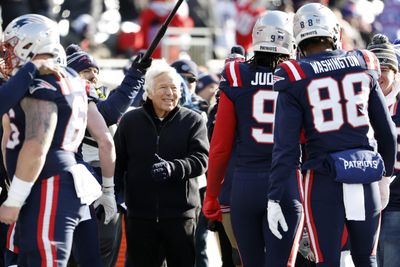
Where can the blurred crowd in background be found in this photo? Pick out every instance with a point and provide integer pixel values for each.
(121, 28)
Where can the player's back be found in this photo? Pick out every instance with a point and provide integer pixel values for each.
(69, 95)
(333, 89)
(250, 90)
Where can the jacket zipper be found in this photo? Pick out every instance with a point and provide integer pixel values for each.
(158, 189)
(157, 151)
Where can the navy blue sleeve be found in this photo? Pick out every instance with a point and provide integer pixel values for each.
(286, 151)
(384, 128)
(119, 101)
(16, 87)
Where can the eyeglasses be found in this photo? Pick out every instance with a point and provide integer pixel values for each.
(190, 79)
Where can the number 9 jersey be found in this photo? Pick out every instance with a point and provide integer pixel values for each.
(249, 89)
(69, 95)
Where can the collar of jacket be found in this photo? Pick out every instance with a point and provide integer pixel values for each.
(148, 107)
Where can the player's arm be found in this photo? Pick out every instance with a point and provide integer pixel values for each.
(220, 152)
(4, 138)
(286, 151)
(40, 120)
(122, 97)
(384, 128)
(221, 145)
(285, 157)
(99, 131)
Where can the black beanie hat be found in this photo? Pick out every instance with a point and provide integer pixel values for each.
(384, 51)
(78, 59)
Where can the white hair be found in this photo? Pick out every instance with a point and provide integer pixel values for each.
(158, 67)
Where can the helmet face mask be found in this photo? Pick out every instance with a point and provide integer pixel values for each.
(316, 20)
(27, 36)
(272, 33)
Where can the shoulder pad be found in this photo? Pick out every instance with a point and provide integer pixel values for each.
(293, 70)
(232, 75)
(284, 77)
(371, 62)
(41, 84)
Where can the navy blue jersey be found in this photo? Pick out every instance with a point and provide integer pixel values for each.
(250, 90)
(334, 96)
(70, 97)
(13, 90)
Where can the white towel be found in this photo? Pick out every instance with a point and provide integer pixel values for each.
(86, 186)
(353, 198)
(86, 214)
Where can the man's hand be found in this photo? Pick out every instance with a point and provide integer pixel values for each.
(9, 215)
(384, 189)
(48, 66)
(276, 218)
(305, 247)
(161, 170)
(211, 208)
(139, 64)
(107, 200)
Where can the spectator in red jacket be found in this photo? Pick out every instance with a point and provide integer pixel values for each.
(152, 17)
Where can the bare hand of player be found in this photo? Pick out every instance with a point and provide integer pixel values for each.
(9, 215)
(48, 66)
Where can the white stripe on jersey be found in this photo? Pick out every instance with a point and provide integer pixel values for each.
(296, 74)
(233, 73)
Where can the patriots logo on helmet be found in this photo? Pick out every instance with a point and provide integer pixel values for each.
(21, 23)
(24, 21)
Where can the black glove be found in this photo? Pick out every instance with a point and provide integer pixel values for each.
(161, 170)
(139, 64)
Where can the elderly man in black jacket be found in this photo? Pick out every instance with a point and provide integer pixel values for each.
(161, 149)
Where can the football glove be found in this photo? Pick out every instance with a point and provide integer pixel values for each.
(384, 189)
(276, 218)
(107, 200)
(305, 247)
(211, 208)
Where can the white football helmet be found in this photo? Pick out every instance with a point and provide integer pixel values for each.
(29, 35)
(316, 20)
(273, 33)
(60, 56)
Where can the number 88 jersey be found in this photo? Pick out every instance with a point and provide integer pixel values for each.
(69, 95)
(338, 97)
(250, 90)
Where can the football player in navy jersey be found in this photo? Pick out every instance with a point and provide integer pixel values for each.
(335, 97)
(246, 113)
(48, 190)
